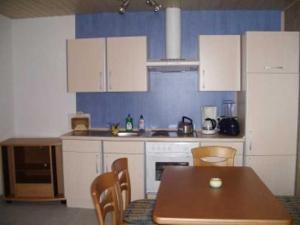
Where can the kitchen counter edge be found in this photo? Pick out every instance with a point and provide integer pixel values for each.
(146, 137)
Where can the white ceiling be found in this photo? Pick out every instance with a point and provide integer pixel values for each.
(44, 8)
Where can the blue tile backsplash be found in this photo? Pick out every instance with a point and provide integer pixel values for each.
(170, 95)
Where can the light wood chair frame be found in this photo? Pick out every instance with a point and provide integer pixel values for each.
(227, 153)
(120, 168)
(106, 195)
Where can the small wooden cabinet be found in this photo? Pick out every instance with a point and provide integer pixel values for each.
(134, 151)
(114, 64)
(220, 62)
(82, 163)
(32, 169)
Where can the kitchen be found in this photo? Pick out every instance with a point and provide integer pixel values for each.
(43, 111)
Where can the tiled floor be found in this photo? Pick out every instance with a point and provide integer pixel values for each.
(55, 213)
(51, 213)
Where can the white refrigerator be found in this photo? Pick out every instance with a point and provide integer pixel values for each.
(270, 100)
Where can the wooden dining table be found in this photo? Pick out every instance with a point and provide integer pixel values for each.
(185, 197)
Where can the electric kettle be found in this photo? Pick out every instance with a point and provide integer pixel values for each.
(209, 126)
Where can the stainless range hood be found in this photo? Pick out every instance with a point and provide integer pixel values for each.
(172, 65)
(173, 61)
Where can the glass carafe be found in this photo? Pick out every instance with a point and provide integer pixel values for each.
(229, 108)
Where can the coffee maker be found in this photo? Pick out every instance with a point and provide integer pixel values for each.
(209, 119)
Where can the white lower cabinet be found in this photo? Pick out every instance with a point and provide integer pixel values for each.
(81, 163)
(277, 172)
(134, 151)
(239, 146)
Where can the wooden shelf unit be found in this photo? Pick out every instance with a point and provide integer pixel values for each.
(32, 169)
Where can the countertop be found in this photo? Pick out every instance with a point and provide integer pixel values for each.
(31, 141)
(100, 134)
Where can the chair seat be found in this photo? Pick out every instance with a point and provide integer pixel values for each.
(139, 212)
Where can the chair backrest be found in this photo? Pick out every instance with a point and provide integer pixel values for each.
(107, 198)
(213, 156)
(120, 168)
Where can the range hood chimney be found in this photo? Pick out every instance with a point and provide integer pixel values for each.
(173, 61)
(173, 31)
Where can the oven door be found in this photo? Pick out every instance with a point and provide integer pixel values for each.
(156, 164)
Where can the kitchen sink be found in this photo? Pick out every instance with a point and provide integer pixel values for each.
(128, 134)
(105, 133)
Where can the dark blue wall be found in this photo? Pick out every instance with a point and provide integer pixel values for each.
(171, 95)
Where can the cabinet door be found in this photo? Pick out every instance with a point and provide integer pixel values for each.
(239, 146)
(126, 62)
(86, 65)
(81, 164)
(220, 61)
(134, 151)
(272, 52)
(80, 169)
(277, 172)
(272, 114)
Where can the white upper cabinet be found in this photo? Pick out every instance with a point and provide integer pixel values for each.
(126, 64)
(116, 64)
(86, 65)
(220, 62)
(272, 52)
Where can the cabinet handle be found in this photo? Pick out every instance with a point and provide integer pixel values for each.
(97, 164)
(250, 140)
(109, 80)
(101, 81)
(203, 79)
(274, 67)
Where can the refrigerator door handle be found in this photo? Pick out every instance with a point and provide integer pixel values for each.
(250, 140)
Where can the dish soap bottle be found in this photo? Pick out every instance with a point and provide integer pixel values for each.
(141, 124)
(129, 123)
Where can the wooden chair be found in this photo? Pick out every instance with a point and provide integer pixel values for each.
(106, 196)
(138, 211)
(213, 156)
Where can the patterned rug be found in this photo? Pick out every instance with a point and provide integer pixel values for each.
(292, 203)
(140, 211)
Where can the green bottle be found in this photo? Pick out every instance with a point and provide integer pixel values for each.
(129, 123)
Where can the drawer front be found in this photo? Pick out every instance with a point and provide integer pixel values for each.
(81, 146)
(129, 147)
(34, 190)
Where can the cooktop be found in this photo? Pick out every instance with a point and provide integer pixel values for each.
(171, 133)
